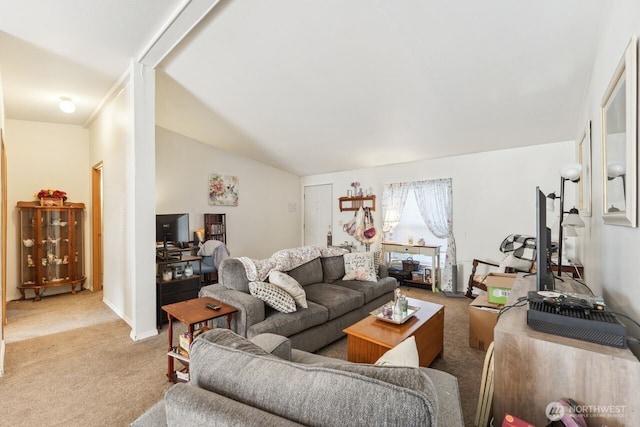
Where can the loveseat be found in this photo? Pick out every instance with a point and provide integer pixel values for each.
(237, 382)
(333, 303)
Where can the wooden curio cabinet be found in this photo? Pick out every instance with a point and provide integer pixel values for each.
(51, 240)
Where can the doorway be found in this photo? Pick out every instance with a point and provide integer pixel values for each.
(318, 214)
(96, 227)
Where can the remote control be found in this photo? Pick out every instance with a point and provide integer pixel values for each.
(212, 307)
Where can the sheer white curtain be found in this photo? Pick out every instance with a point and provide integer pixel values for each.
(394, 197)
(435, 202)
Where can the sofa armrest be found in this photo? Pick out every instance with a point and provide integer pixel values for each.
(274, 344)
(250, 308)
(187, 405)
(383, 271)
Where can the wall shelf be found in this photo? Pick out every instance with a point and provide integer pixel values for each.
(355, 203)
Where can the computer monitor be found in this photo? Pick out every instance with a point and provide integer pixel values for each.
(172, 228)
(544, 274)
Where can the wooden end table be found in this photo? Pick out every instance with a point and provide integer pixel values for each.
(370, 338)
(190, 313)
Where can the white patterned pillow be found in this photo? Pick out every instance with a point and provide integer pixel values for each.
(359, 266)
(273, 296)
(289, 285)
(404, 354)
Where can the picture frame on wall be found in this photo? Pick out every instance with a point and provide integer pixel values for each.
(584, 158)
(223, 190)
(619, 141)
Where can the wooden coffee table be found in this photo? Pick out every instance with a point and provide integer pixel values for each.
(370, 338)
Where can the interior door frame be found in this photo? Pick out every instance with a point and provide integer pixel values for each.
(3, 178)
(96, 228)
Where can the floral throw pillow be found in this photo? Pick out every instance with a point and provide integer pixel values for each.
(359, 266)
(273, 296)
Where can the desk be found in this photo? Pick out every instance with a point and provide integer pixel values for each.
(533, 369)
(433, 251)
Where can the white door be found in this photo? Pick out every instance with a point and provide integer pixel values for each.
(318, 218)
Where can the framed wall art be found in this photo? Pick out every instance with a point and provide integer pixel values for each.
(223, 190)
(584, 158)
(619, 140)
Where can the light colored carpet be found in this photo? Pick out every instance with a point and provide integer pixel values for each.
(52, 314)
(86, 371)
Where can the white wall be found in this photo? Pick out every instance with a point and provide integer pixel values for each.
(40, 156)
(110, 134)
(261, 223)
(493, 194)
(611, 251)
(2, 273)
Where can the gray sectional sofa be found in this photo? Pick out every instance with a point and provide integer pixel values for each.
(237, 382)
(333, 303)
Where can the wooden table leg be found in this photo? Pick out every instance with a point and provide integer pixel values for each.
(169, 358)
(229, 320)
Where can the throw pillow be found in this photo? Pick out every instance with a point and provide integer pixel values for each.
(290, 286)
(404, 354)
(359, 266)
(273, 296)
(515, 263)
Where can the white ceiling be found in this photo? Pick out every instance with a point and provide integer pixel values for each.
(319, 86)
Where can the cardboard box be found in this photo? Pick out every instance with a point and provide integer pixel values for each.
(498, 286)
(483, 316)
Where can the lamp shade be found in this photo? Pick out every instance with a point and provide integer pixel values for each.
(571, 172)
(570, 231)
(573, 219)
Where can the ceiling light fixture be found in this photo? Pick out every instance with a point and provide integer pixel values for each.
(67, 105)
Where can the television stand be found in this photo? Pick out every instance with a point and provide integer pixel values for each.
(546, 367)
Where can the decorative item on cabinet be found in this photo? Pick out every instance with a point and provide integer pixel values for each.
(45, 236)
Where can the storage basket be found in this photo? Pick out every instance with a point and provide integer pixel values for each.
(410, 265)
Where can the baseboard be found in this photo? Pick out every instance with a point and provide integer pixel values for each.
(454, 294)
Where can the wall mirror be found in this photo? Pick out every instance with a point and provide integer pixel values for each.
(619, 109)
(584, 158)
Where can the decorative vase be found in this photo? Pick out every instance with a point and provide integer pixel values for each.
(188, 270)
(167, 275)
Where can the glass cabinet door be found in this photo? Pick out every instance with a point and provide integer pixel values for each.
(28, 246)
(55, 245)
(78, 244)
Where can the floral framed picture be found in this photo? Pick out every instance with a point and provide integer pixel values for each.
(223, 190)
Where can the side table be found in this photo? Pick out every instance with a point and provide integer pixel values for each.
(190, 313)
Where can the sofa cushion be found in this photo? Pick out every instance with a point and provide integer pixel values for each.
(308, 273)
(287, 324)
(315, 395)
(370, 290)
(359, 266)
(187, 405)
(290, 286)
(332, 268)
(273, 296)
(337, 299)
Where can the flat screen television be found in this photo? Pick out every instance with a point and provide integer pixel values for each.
(172, 228)
(544, 274)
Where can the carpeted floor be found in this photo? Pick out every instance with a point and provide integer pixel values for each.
(70, 362)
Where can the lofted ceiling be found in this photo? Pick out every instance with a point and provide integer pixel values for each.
(312, 87)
